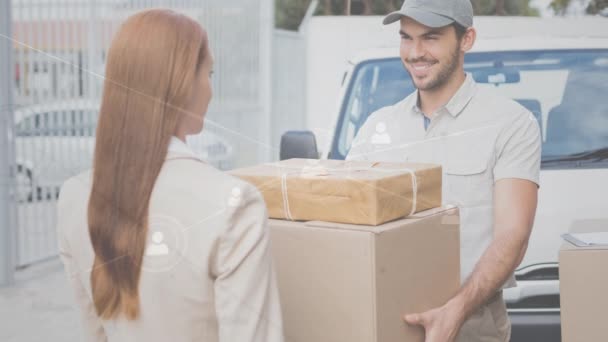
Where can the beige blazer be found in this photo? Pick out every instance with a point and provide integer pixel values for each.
(207, 272)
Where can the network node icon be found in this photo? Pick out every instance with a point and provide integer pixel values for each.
(157, 247)
(235, 197)
(381, 137)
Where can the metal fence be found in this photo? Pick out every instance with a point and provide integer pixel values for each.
(6, 205)
(59, 50)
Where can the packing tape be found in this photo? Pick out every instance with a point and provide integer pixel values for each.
(323, 171)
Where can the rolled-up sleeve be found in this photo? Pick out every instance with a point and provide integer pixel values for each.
(246, 293)
(519, 152)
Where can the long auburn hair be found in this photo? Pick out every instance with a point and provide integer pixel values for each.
(152, 64)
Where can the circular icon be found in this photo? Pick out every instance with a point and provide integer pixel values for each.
(235, 197)
(166, 245)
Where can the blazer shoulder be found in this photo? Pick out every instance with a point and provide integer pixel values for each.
(79, 184)
(202, 178)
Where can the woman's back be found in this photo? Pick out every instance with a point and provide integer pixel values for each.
(206, 272)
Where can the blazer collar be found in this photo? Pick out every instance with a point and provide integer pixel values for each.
(179, 147)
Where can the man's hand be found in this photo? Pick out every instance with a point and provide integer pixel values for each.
(441, 324)
(515, 205)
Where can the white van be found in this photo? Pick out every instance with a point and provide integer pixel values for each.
(556, 68)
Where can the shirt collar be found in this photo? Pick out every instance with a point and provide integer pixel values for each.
(457, 103)
(176, 145)
(462, 97)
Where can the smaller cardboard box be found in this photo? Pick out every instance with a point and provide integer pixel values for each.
(583, 275)
(352, 192)
(353, 283)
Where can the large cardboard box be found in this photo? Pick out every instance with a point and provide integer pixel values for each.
(345, 191)
(353, 283)
(583, 275)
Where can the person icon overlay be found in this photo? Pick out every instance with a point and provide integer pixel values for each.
(157, 247)
(235, 197)
(381, 137)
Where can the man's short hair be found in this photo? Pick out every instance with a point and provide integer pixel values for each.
(460, 30)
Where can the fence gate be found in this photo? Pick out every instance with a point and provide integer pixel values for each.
(59, 50)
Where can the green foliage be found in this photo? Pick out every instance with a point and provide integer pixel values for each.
(559, 6)
(594, 6)
(505, 7)
(289, 13)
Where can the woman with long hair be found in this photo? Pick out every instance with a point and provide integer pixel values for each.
(157, 244)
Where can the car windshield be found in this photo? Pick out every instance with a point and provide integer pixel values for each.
(565, 90)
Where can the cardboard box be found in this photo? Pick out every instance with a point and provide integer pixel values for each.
(583, 275)
(353, 283)
(345, 191)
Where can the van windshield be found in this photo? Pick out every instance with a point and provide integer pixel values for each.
(566, 90)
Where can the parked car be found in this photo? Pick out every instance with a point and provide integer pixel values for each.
(563, 81)
(56, 141)
(52, 143)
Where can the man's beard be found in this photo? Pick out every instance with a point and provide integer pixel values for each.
(444, 75)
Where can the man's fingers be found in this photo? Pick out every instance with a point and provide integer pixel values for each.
(414, 319)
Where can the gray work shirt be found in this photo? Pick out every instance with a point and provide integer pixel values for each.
(479, 137)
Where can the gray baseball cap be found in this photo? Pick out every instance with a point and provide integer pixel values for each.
(435, 13)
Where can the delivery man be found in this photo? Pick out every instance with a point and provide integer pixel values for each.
(490, 149)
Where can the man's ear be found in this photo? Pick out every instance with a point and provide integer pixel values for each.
(468, 40)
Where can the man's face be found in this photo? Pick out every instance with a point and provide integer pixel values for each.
(430, 55)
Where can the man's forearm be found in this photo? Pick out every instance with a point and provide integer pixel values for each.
(493, 269)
